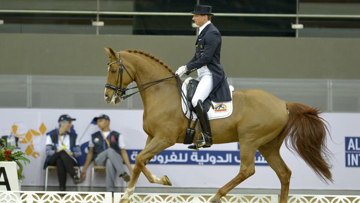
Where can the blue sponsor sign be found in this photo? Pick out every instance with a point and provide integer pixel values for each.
(197, 157)
(352, 151)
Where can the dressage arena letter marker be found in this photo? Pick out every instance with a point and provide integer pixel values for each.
(5, 180)
(8, 176)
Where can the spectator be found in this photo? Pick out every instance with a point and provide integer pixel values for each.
(62, 149)
(107, 148)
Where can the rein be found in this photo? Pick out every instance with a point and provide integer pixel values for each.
(121, 92)
(149, 83)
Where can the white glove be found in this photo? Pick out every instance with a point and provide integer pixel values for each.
(181, 71)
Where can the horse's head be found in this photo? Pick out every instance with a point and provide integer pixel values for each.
(119, 76)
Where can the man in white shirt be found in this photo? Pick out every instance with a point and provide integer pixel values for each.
(107, 148)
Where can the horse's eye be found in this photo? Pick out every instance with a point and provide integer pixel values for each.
(113, 70)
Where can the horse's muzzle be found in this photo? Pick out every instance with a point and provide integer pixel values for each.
(107, 98)
(114, 99)
(111, 97)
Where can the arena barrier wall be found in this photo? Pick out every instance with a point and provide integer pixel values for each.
(105, 197)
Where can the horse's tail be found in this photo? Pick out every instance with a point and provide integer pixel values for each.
(306, 134)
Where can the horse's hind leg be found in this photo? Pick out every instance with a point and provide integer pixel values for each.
(152, 148)
(272, 155)
(247, 169)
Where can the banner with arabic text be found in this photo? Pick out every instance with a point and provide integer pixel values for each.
(210, 168)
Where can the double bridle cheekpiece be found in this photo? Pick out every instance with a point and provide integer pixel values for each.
(121, 92)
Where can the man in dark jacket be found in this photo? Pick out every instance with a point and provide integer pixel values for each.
(62, 149)
(107, 148)
(211, 75)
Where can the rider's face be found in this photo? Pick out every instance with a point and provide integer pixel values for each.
(200, 19)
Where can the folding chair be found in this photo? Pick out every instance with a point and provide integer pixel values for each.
(99, 168)
(49, 168)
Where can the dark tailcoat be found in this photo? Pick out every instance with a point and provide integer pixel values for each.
(208, 46)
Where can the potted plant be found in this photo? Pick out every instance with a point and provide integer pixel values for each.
(8, 153)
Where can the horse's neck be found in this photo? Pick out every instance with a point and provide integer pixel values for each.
(149, 70)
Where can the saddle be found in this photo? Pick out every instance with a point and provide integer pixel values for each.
(191, 88)
(218, 110)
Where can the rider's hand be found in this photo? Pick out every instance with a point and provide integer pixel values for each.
(181, 71)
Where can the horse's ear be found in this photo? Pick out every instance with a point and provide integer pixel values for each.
(112, 52)
(107, 51)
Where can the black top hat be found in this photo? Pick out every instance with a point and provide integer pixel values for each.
(202, 10)
(65, 117)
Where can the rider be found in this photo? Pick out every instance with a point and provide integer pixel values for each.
(211, 75)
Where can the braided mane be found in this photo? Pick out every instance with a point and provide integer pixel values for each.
(151, 57)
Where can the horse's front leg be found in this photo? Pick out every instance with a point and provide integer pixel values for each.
(131, 187)
(153, 147)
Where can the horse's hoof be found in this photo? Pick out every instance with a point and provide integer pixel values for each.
(166, 180)
(215, 201)
(124, 201)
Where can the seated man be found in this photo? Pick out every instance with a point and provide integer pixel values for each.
(107, 148)
(62, 150)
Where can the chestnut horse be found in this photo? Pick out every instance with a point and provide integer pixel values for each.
(260, 121)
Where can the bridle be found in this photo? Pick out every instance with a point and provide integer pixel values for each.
(121, 92)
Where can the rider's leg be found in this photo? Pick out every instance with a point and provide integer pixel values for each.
(202, 92)
(205, 125)
(203, 89)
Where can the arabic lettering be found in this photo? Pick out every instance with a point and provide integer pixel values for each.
(198, 158)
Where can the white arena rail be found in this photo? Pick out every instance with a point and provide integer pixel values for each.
(324, 199)
(195, 198)
(237, 198)
(105, 197)
(54, 197)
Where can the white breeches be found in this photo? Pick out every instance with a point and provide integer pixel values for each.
(203, 89)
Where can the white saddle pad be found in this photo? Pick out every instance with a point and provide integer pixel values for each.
(221, 109)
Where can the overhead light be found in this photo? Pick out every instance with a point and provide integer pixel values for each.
(1, 22)
(297, 26)
(98, 23)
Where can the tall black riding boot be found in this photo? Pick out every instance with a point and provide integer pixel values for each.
(205, 125)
